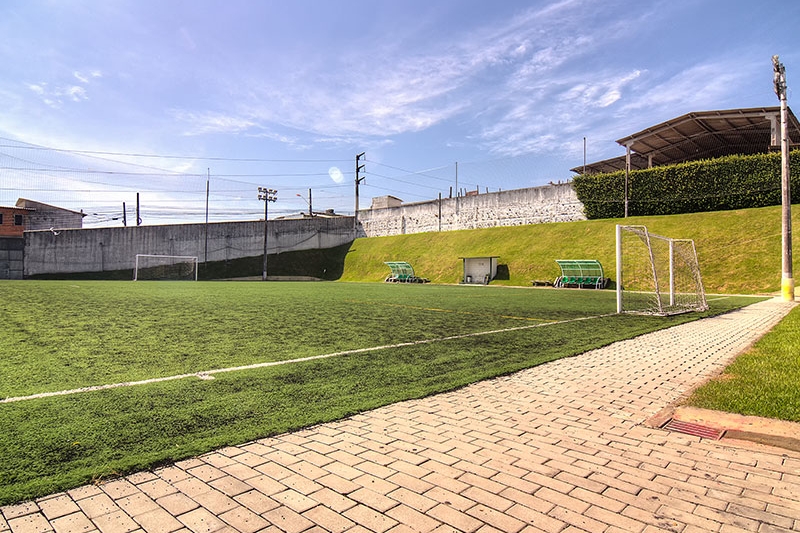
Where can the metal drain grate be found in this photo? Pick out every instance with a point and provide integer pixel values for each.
(693, 429)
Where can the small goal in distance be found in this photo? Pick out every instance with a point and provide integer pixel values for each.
(657, 275)
(151, 267)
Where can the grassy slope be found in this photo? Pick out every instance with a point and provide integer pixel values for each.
(739, 251)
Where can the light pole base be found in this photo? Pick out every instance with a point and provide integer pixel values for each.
(787, 289)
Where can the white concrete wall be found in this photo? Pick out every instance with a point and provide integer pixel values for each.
(535, 205)
(105, 249)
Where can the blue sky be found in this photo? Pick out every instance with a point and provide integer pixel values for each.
(283, 93)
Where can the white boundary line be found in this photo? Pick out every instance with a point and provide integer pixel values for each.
(208, 374)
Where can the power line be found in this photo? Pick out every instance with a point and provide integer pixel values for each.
(31, 146)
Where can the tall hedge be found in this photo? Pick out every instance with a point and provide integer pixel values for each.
(733, 182)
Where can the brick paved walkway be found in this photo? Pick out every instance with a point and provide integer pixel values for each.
(557, 448)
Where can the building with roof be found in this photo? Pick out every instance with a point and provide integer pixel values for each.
(701, 135)
(13, 221)
(45, 216)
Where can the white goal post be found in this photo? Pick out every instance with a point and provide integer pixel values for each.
(657, 275)
(165, 267)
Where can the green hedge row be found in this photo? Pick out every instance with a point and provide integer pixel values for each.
(733, 182)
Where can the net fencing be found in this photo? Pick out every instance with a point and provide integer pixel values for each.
(165, 268)
(656, 274)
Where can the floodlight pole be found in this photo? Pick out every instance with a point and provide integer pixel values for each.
(787, 279)
(267, 196)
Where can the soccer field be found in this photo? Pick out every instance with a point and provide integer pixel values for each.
(194, 366)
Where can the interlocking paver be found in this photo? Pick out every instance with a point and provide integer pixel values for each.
(73, 523)
(328, 519)
(557, 448)
(255, 501)
(412, 499)
(333, 500)
(373, 499)
(244, 520)
(201, 521)
(230, 485)
(294, 500)
(370, 518)
(85, 491)
(412, 518)
(455, 518)
(215, 501)
(57, 506)
(156, 488)
(97, 505)
(137, 504)
(22, 509)
(172, 474)
(119, 488)
(117, 522)
(177, 503)
(287, 520)
(30, 523)
(158, 521)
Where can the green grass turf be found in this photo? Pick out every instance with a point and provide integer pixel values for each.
(764, 380)
(62, 335)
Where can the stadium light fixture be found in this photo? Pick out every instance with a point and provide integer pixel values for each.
(266, 195)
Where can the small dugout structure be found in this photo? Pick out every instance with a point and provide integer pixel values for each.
(479, 270)
(581, 273)
(402, 272)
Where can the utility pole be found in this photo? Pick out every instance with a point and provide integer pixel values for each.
(138, 213)
(208, 188)
(457, 191)
(584, 156)
(787, 280)
(124, 216)
(267, 196)
(627, 174)
(359, 178)
(310, 210)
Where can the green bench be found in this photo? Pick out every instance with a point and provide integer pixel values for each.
(581, 273)
(402, 272)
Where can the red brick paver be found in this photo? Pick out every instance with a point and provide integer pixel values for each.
(556, 448)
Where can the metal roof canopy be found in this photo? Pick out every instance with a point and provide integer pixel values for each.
(702, 135)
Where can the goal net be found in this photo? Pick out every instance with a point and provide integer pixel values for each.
(657, 275)
(165, 267)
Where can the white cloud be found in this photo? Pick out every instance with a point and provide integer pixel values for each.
(38, 89)
(600, 93)
(544, 118)
(54, 96)
(502, 74)
(76, 93)
(87, 78)
(707, 86)
(392, 91)
(212, 122)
